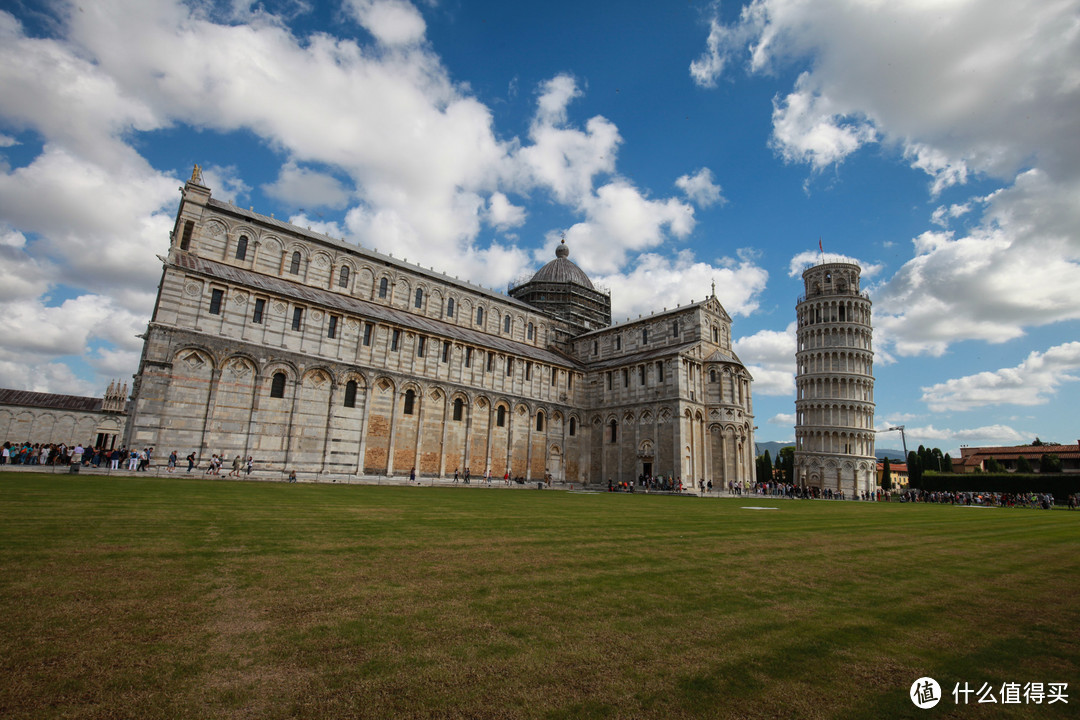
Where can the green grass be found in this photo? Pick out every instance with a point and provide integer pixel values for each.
(188, 598)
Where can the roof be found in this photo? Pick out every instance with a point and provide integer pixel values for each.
(721, 356)
(366, 252)
(562, 270)
(374, 311)
(1018, 450)
(26, 398)
(642, 356)
(653, 317)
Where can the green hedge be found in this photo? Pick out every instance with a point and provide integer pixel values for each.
(1060, 485)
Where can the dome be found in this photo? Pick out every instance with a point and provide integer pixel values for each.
(562, 270)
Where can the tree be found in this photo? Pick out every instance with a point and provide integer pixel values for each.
(1049, 463)
(1023, 465)
(764, 467)
(914, 469)
(946, 464)
(1037, 443)
(886, 475)
(785, 463)
(992, 465)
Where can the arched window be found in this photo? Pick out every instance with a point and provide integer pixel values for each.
(343, 277)
(410, 402)
(712, 376)
(573, 426)
(294, 266)
(450, 307)
(383, 285)
(241, 247)
(479, 316)
(506, 324)
(539, 421)
(459, 409)
(614, 427)
(277, 385)
(419, 302)
(529, 332)
(350, 394)
(500, 416)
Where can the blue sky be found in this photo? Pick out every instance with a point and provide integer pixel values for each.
(675, 144)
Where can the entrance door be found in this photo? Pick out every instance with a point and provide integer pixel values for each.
(646, 469)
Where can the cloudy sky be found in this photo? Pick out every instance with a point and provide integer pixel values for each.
(675, 144)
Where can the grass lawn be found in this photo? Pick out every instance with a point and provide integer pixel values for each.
(190, 598)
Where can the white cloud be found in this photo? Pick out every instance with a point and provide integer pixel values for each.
(991, 91)
(564, 159)
(7, 141)
(392, 22)
(621, 219)
(986, 435)
(942, 214)
(656, 282)
(783, 420)
(503, 214)
(700, 188)
(809, 258)
(1032, 382)
(808, 127)
(952, 105)
(1016, 269)
(94, 224)
(226, 183)
(303, 187)
(46, 377)
(770, 357)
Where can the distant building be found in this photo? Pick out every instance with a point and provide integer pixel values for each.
(898, 474)
(48, 418)
(975, 458)
(834, 380)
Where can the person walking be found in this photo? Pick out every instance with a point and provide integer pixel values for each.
(250, 462)
(235, 472)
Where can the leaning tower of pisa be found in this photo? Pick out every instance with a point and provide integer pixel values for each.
(834, 406)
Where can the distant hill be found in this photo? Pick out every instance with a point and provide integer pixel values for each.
(772, 447)
(774, 450)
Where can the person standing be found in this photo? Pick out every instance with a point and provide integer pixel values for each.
(172, 461)
(250, 461)
(235, 472)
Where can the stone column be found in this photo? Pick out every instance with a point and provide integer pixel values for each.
(363, 429)
(442, 440)
(329, 419)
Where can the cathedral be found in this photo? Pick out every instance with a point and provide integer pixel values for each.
(312, 354)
